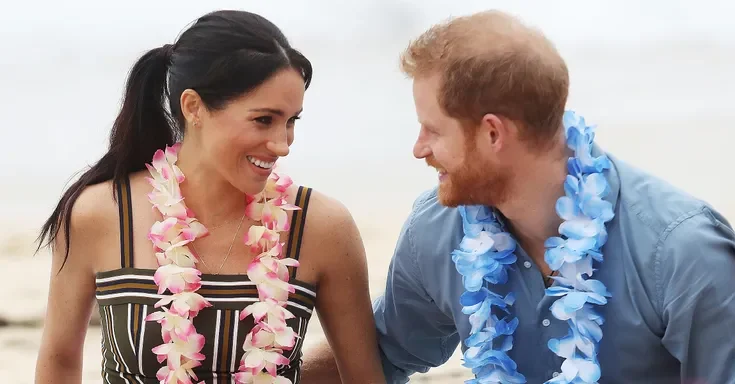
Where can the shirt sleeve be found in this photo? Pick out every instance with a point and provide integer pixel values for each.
(413, 333)
(696, 286)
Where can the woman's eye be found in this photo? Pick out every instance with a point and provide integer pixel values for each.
(265, 120)
(292, 121)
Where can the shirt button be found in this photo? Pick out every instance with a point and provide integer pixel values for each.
(527, 264)
(555, 374)
(546, 323)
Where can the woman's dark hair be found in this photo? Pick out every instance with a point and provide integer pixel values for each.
(222, 56)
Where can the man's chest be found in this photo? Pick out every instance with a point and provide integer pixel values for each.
(629, 351)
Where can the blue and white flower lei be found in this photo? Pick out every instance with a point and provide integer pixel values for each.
(487, 252)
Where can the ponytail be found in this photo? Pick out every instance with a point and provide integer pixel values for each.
(142, 127)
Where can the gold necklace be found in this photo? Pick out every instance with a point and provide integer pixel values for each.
(201, 257)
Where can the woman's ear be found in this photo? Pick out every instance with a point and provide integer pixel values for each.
(191, 107)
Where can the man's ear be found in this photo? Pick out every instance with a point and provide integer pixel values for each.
(493, 132)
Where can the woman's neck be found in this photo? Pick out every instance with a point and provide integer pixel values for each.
(213, 199)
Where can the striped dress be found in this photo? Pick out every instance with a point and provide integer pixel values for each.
(127, 295)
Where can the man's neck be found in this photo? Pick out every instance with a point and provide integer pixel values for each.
(531, 211)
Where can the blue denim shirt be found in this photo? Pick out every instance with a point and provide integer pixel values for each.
(669, 265)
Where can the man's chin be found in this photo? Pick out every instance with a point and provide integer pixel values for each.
(450, 198)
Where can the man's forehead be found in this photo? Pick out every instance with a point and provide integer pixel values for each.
(427, 83)
(425, 96)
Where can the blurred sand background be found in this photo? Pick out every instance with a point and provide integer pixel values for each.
(656, 78)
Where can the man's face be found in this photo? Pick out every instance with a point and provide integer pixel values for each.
(467, 174)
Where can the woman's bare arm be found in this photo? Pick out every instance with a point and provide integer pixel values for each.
(319, 366)
(72, 289)
(343, 300)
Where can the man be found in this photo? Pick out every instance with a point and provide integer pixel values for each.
(490, 95)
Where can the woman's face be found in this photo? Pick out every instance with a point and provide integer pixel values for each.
(244, 140)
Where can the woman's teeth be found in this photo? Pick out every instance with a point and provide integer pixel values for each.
(261, 163)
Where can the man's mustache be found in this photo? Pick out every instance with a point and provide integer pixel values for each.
(430, 161)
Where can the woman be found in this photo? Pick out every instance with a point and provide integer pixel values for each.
(154, 231)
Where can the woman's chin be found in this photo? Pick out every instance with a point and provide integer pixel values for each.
(251, 186)
(250, 182)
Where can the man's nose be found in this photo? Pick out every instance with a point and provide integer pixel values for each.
(421, 149)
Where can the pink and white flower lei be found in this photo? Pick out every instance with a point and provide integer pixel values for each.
(177, 272)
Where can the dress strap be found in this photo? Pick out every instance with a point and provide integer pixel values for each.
(125, 208)
(297, 226)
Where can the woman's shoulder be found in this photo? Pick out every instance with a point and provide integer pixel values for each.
(94, 207)
(92, 222)
(329, 223)
(330, 234)
(326, 213)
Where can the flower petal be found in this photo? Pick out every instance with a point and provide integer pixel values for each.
(566, 208)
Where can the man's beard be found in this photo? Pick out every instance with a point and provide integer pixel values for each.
(474, 184)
